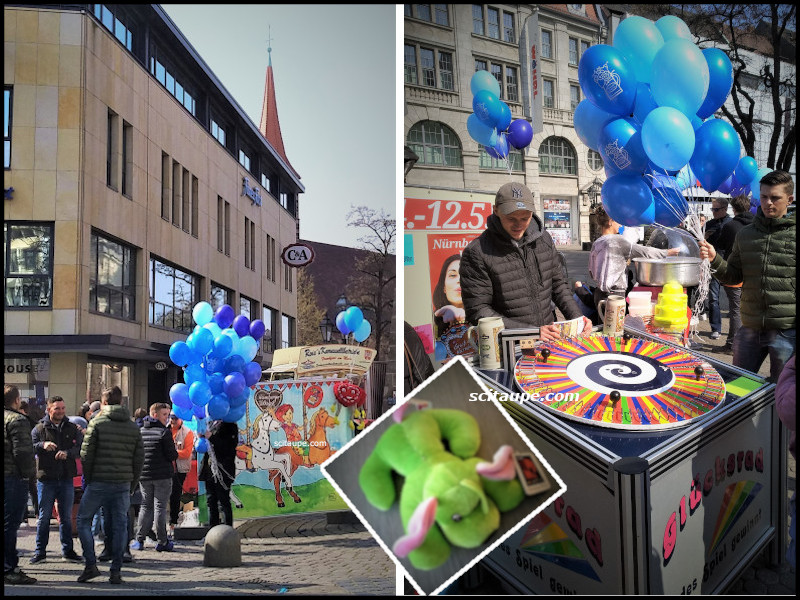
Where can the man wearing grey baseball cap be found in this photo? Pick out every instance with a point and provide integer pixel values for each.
(512, 269)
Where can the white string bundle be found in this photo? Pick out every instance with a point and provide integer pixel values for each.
(217, 471)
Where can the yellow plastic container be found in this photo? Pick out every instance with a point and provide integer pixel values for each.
(670, 310)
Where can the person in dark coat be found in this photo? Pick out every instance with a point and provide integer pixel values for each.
(741, 217)
(719, 210)
(218, 470)
(417, 365)
(512, 269)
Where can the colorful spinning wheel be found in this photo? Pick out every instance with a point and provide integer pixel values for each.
(623, 383)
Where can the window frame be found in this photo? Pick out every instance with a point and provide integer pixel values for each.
(546, 167)
(552, 97)
(416, 71)
(186, 314)
(549, 54)
(424, 145)
(515, 159)
(126, 291)
(49, 267)
(227, 295)
(268, 342)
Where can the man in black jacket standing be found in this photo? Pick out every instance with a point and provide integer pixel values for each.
(719, 210)
(512, 269)
(156, 479)
(57, 443)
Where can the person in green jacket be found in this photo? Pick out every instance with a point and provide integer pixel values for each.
(763, 260)
(112, 455)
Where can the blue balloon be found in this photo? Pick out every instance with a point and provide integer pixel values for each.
(224, 316)
(201, 445)
(212, 363)
(363, 331)
(680, 76)
(248, 348)
(192, 373)
(199, 411)
(504, 118)
(668, 138)
(671, 208)
(696, 121)
(720, 72)
(213, 328)
(589, 121)
(481, 132)
(252, 373)
(223, 345)
(215, 382)
(746, 169)
(628, 200)
(621, 146)
(520, 133)
(686, 177)
(486, 107)
(234, 364)
(240, 399)
(180, 353)
(644, 102)
(673, 28)
(257, 329)
(341, 325)
(202, 313)
(639, 40)
(218, 407)
(755, 183)
(241, 325)
(179, 394)
(235, 414)
(726, 186)
(234, 384)
(737, 187)
(203, 340)
(607, 79)
(353, 317)
(199, 393)
(500, 149)
(716, 153)
(483, 80)
(229, 332)
(182, 412)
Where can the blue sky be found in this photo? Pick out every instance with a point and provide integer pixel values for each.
(335, 82)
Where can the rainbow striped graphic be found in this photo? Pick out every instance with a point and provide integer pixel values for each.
(737, 498)
(545, 540)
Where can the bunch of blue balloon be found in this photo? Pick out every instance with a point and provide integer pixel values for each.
(218, 368)
(490, 123)
(352, 321)
(648, 111)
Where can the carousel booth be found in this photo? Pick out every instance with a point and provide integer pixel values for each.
(306, 407)
(673, 463)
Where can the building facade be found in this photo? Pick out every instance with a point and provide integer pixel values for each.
(135, 187)
(444, 48)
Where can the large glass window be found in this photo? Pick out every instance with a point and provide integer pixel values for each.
(514, 160)
(477, 19)
(547, 44)
(287, 331)
(428, 72)
(28, 258)
(270, 318)
(557, 157)
(112, 279)
(425, 73)
(7, 128)
(173, 294)
(116, 21)
(174, 83)
(494, 23)
(247, 307)
(435, 144)
(508, 28)
(219, 296)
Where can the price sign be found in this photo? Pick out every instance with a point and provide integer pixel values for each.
(421, 215)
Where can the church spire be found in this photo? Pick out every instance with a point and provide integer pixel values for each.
(270, 126)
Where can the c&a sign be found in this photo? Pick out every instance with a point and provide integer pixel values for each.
(297, 255)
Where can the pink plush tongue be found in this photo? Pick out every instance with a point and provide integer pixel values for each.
(502, 467)
(418, 527)
(400, 412)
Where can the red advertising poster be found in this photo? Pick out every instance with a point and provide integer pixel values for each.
(449, 328)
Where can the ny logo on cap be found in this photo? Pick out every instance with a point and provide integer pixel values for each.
(516, 192)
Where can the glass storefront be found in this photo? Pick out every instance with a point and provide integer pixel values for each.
(102, 375)
(31, 376)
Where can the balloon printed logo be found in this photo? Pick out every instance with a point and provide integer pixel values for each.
(608, 80)
(619, 156)
(481, 111)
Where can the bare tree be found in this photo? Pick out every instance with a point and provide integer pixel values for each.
(742, 30)
(373, 287)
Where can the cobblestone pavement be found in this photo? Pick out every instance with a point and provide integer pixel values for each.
(280, 555)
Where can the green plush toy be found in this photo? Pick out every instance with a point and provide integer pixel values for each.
(448, 497)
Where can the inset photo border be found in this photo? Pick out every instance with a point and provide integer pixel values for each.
(454, 386)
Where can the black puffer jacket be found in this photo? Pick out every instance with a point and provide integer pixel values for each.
(514, 280)
(18, 460)
(112, 448)
(159, 450)
(66, 437)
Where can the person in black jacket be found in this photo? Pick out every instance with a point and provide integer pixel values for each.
(156, 479)
(57, 444)
(742, 216)
(417, 366)
(218, 469)
(512, 269)
(719, 210)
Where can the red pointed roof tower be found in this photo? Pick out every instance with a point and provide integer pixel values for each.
(270, 126)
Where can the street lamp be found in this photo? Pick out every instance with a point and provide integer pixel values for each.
(326, 328)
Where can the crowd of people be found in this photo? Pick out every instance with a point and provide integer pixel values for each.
(124, 473)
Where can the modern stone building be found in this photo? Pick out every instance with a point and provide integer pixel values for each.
(135, 187)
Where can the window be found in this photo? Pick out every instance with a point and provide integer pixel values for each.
(497, 72)
(244, 159)
(406, 10)
(265, 182)
(435, 144)
(177, 193)
(446, 70)
(269, 316)
(424, 12)
(112, 143)
(429, 60)
(511, 84)
(175, 84)
(410, 64)
(287, 331)
(480, 65)
(114, 19)
(574, 96)
(595, 160)
(249, 244)
(477, 19)
(548, 99)
(514, 160)
(494, 23)
(223, 226)
(428, 72)
(166, 186)
(547, 44)
(284, 200)
(271, 258)
(28, 253)
(220, 295)
(218, 132)
(127, 159)
(112, 279)
(584, 46)
(508, 28)
(440, 14)
(173, 294)
(573, 52)
(7, 128)
(247, 307)
(557, 157)
(287, 278)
